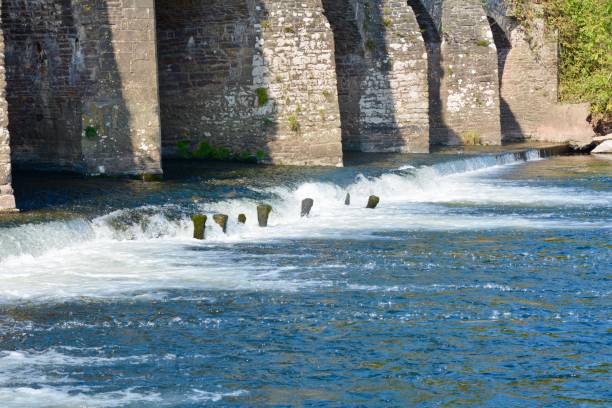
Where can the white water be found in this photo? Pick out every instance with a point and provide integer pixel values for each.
(145, 250)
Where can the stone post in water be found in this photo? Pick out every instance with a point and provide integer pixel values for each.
(199, 226)
(263, 212)
(242, 219)
(347, 200)
(221, 219)
(307, 206)
(373, 202)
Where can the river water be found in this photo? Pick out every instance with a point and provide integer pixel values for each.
(480, 280)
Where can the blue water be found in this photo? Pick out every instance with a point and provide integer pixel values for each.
(479, 281)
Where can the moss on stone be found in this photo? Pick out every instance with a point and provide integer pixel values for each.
(471, 138)
(262, 96)
(199, 225)
(294, 124)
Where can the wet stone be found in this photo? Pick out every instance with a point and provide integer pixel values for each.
(263, 212)
(199, 225)
(307, 206)
(373, 202)
(221, 220)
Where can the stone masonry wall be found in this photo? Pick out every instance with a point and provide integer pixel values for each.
(206, 51)
(82, 84)
(249, 76)
(528, 77)
(297, 63)
(463, 72)
(382, 73)
(469, 88)
(7, 200)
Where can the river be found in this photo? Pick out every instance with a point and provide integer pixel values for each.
(480, 280)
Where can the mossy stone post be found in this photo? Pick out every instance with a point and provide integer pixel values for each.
(242, 219)
(307, 206)
(221, 219)
(199, 225)
(373, 202)
(263, 212)
(347, 199)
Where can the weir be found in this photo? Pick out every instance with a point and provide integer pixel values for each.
(108, 87)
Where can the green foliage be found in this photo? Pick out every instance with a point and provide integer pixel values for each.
(585, 36)
(262, 96)
(91, 132)
(265, 24)
(207, 151)
(483, 43)
(289, 30)
(183, 149)
(471, 138)
(294, 125)
(387, 22)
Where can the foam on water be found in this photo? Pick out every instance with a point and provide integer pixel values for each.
(19, 370)
(151, 247)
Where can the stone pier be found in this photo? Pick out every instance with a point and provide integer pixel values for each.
(7, 200)
(382, 75)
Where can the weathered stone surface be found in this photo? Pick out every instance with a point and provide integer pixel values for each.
(263, 212)
(307, 204)
(260, 77)
(601, 139)
(199, 226)
(464, 84)
(82, 84)
(605, 147)
(221, 220)
(382, 75)
(527, 64)
(373, 202)
(7, 200)
(565, 122)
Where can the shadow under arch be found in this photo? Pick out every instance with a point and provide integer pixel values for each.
(510, 127)
(429, 22)
(364, 69)
(61, 68)
(212, 88)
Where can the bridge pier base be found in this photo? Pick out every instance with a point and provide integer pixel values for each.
(7, 200)
(469, 83)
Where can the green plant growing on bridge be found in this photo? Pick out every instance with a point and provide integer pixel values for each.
(262, 96)
(294, 125)
(91, 132)
(483, 43)
(471, 138)
(183, 149)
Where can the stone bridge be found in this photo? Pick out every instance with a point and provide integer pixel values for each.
(111, 86)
